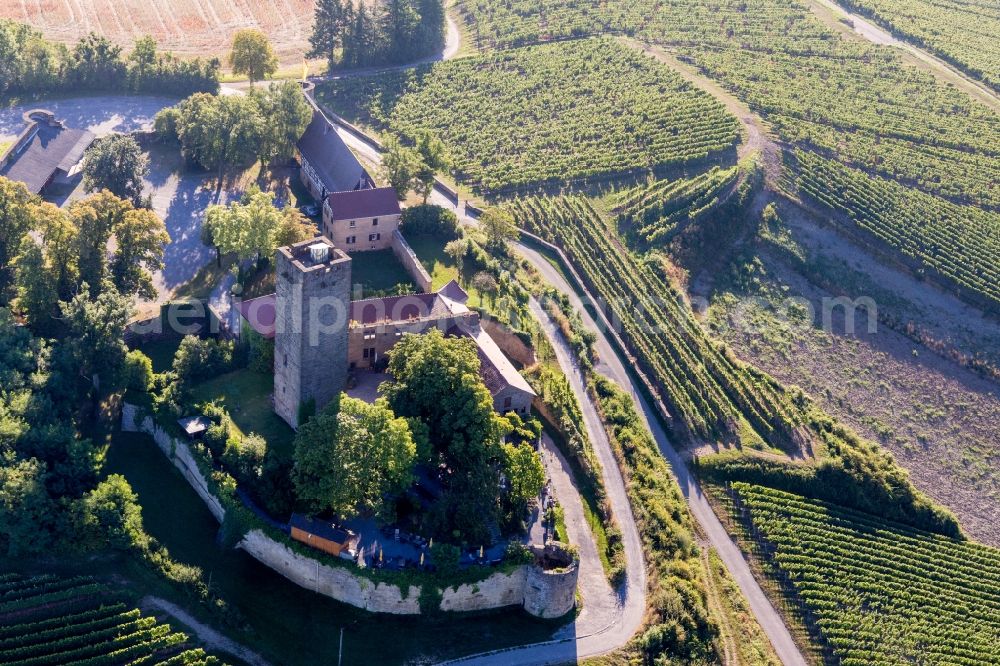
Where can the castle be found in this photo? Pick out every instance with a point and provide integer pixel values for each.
(320, 335)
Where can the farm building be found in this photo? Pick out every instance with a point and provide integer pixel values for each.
(328, 165)
(359, 220)
(323, 535)
(45, 152)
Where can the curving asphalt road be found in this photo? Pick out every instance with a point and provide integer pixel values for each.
(611, 366)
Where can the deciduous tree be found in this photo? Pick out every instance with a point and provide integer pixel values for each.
(400, 166)
(499, 227)
(15, 221)
(118, 164)
(140, 239)
(351, 457)
(252, 55)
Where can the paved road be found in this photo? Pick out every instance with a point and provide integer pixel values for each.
(612, 367)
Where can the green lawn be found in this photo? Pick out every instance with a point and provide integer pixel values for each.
(442, 268)
(287, 623)
(246, 395)
(379, 272)
(161, 352)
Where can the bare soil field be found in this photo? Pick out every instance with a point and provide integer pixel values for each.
(937, 418)
(186, 27)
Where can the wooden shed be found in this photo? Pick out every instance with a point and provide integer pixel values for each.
(321, 534)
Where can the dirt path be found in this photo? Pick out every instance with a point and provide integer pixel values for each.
(213, 640)
(870, 31)
(600, 605)
(756, 136)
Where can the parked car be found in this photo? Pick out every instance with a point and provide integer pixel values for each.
(309, 210)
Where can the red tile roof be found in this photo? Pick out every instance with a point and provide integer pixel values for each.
(354, 204)
(260, 313)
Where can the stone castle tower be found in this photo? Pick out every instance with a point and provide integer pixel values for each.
(312, 313)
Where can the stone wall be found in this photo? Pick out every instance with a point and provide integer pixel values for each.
(177, 452)
(544, 594)
(408, 258)
(335, 582)
(509, 343)
(500, 589)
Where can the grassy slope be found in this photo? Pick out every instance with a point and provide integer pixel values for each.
(287, 623)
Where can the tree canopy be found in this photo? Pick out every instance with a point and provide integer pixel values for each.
(351, 457)
(232, 130)
(118, 164)
(252, 55)
(255, 227)
(381, 33)
(436, 381)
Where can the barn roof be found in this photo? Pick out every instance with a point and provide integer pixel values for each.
(43, 150)
(330, 157)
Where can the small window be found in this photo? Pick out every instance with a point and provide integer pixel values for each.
(286, 359)
(374, 221)
(506, 403)
(369, 335)
(351, 239)
(352, 224)
(374, 237)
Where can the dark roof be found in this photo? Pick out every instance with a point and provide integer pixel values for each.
(260, 313)
(377, 202)
(454, 291)
(495, 368)
(320, 528)
(330, 157)
(51, 148)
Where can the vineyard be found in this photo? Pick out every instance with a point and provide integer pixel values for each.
(548, 114)
(189, 27)
(961, 246)
(709, 392)
(848, 100)
(961, 32)
(655, 212)
(50, 620)
(879, 593)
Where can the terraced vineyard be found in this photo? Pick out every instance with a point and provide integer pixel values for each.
(50, 620)
(547, 114)
(962, 32)
(881, 593)
(845, 99)
(656, 211)
(961, 246)
(709, 392)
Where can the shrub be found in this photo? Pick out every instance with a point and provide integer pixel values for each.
(198, 358)
(430, 220)
(245, 458)
(138, 371)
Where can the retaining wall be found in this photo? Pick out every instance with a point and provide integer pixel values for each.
(410, 262)
(539, 592)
